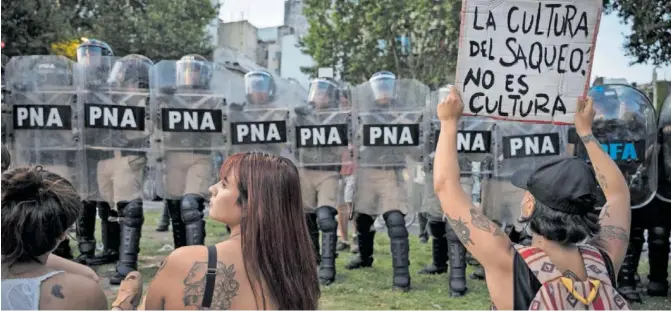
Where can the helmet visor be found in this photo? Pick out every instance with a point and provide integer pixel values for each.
(321, 91)
(383, 88)
(89, 55)
(257, 83)
(189, 72)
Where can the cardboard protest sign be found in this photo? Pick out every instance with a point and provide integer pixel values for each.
(526, 60)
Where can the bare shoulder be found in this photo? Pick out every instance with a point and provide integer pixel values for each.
(73, 291)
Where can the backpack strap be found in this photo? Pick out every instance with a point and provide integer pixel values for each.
(210, 276)
(539, 263)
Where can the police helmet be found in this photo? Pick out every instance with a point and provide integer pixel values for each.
(259, 86)
(324, 92)
(90, 51)
(193, 71)
(383, 84)
(606, 102)
(131, 71)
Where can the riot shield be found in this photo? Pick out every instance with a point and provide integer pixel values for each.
(625, 125)
(6, 110)
(191, 125)
(475, 146)
(44, 115)
(388, 131)
(263, 124)
(664, 188)
(517, 146)
(113, 98)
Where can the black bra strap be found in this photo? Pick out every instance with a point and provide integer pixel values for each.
(210, 276)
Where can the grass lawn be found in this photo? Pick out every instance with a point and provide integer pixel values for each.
(368, 288)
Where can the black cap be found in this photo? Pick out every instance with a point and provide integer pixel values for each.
(563, 184)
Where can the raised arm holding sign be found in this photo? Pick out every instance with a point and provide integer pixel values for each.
(526, 60)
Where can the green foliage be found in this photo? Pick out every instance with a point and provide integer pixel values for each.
(158, 29)
(650, 38)
(359, 38)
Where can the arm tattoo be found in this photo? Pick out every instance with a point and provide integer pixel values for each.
(56, 291)
(604, 212)
(225, 286)
(614, 233)
(498, 231)
(461, 230)
(601, 178)
(588, 138)
(480, 221)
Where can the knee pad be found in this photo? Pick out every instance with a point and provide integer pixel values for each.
(363, 222)
(133, 213)
(395, 221)
(192, 206)
(326, 218)
(437, 229)
(658, 236)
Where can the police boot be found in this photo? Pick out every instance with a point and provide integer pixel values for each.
(313, 231)
(111, 235)
(400, 248)
(164, 221)
(326, 218)
(366, 240)
(63, 250)
(178, 230)
(86, 226)
(457, 254)
(131, 231)
(423, 233)
(438, 249)
(626, 279)
(192, 207)
(658, 254)
(479, 271)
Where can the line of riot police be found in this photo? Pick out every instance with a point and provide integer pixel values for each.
(102, 120)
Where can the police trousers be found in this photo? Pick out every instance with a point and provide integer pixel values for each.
(379, 191)
(120, 178)
(188, 173)
(319, 188)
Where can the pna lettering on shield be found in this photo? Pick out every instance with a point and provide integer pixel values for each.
(259, 132)
(531, 145)
(391, 134)
(191, 120)
(116, 117)
(321, 135)
(42, 117)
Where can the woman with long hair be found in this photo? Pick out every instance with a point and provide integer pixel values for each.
(268, 260)
(37, 209)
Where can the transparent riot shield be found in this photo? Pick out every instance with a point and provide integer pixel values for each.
(625, 124)
(320, 142)
(389, 131)
(262, 122)
(117, 123)
(475, 145)
(664, 188)
(44, 115)
(191, 101)
(517, 146)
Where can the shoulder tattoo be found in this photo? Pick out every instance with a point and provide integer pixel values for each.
(56, 291)
(225, 286)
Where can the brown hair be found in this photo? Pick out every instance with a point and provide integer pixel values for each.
(276, 247)
(38, 206)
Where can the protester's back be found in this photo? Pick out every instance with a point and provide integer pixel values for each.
(555, 291)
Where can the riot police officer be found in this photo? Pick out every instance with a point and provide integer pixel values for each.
(92, 60)
(319, 168)
(120, 175)
(187, 155)
(380, 177)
